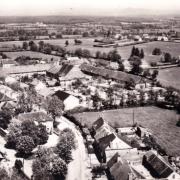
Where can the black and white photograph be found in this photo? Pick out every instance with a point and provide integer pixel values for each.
(89, 89)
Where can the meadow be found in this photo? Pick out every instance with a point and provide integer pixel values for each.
(160, 121)
(170, 77)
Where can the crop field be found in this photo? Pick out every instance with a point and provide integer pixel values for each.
(160, 121)
(14, 55)
(170, 77)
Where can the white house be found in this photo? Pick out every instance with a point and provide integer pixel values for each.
(70, 101)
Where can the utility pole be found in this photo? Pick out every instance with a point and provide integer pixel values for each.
(133, 116)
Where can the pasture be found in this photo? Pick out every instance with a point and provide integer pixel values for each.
(160, 121)
(87, 43)
(170, 77)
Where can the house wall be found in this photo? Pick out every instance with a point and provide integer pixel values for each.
(71, 102)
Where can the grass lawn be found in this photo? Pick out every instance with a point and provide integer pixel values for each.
(162, 122)
(170, 77)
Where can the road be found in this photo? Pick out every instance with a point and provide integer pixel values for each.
(78, 168)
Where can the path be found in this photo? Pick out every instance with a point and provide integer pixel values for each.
(78, 168)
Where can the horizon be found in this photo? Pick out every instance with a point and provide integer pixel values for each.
(88, 8)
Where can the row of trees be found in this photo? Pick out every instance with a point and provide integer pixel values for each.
(52, 163)
(136, 52)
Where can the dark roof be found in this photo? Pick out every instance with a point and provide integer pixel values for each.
(119, 168)
(35, 116)
(8, 105)
(61, 95)
(113, 160)
(104, 142)
(54, 69)
(98, 123)
(60, 70)
(158, 164)
(107, 73)
(4, 98)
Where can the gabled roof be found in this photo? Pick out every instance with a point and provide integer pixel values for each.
(158, 164)
(54, 69)
(35, 116)
(8, 105)
(61, 95)
(107, 73)
(104, 142)
(98, 123)
(119, 168)
(4, 98)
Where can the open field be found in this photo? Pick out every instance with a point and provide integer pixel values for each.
(162, 122)
(170, 77)
(87, 43)
(14, 55)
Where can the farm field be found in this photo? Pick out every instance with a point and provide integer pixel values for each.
(87, 43)
(170, 77)
(14, 55)
(160, 121)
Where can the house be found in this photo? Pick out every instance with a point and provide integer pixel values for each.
(162, 38)
(137, 38)
(9, 92)
(119, 76)
(7, 63)
(54, 71)
(158, 166)
(57, 71)
(38, 117)
(106, 137)
(70, 101)
(120, 169)
(4, 98)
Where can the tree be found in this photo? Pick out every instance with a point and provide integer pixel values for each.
(142, 54)
(59, 169)
(121, 67)
(18, 165)
(29, 128)
(66, 43)
(70, 137)
(86, 53)
(42, 134)
(136, 62)
(133, 51)
(178, 123)
(155, 74)
(5, 118)
(25, 145)
(98, 55)
(114, 56)
(156, 52)
(167, 57)
(146, 73)
(3, 174)
(47, 50)
(25, 45)
(78, 52)
(14, 130)
(54, 106)
(85, 34)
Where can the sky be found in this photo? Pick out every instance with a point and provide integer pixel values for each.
(86, 7)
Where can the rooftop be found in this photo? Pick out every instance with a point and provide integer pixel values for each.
(35, 116)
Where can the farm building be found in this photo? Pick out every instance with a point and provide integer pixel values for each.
(38, 117)
(119, 76)
(70, 101)
(59, 71)
(158, 166)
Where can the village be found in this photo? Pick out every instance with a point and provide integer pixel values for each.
(69, 100)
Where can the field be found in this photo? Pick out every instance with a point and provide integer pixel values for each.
(161, 122)
(87, 43)
(170, 77)
(14, 55)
